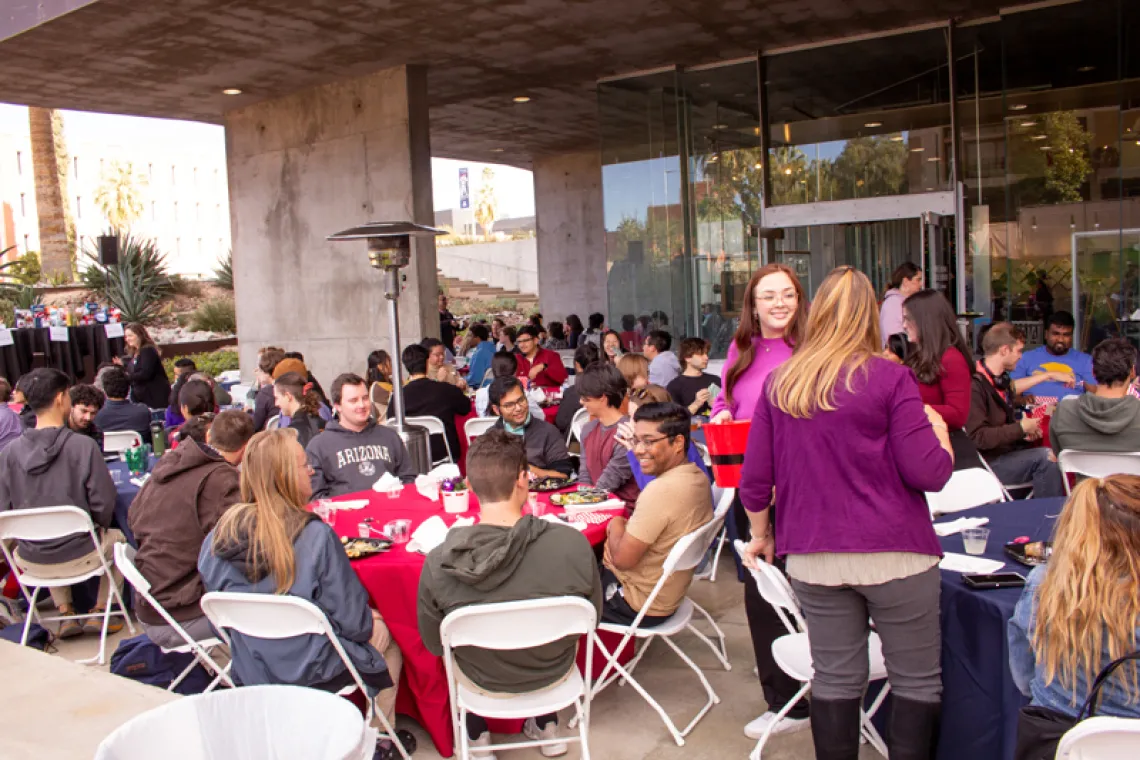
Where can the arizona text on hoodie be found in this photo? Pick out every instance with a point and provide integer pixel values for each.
(345, 462)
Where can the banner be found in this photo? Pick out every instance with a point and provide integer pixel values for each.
(464, 189)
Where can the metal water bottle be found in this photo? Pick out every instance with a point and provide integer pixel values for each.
(158, 438)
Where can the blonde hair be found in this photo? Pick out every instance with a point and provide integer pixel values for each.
(841, 336)
(1089, 597)
(273, 514)
(632, 366)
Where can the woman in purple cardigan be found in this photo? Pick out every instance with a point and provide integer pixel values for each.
(842, 436)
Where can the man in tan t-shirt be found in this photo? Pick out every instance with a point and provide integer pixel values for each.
(675, 503)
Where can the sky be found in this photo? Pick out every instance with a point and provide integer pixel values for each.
(514, 188)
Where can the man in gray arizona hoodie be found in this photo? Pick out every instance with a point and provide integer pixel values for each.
(352, 453)
(1108, 419)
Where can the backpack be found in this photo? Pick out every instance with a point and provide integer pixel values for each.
(140, 659)
(38, 636)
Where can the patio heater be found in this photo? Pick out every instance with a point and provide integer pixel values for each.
(390, 250)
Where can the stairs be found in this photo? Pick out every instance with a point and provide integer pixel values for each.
(465, 289)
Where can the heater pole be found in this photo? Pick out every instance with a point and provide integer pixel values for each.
(392, 294)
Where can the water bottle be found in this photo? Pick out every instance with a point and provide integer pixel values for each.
(158, 438)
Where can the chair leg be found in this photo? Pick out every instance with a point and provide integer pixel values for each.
(186, 671)
(720, 541)
(388, 729)
(758, 750)
(722, 651)
(713, 698)
(868, 729)
(583, 727)
(32, 614)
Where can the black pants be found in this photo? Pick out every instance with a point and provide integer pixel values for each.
(615, 609)
(477, 725)
(765, 626)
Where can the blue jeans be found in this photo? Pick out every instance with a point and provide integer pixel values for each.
(1030, 465)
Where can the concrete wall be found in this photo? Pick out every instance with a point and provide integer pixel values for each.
(511, 264)
(306, 166)
(571, 235)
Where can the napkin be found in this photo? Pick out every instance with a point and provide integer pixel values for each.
(959, 525)
(599, 507)
(551, 518)
(964, 563)
(387, 482)
(140, 482)
(428, 487)
(432, 532)
(444, 471)
(351, 504)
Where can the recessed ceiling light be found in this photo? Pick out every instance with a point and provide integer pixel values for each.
(1037, 137)
(1018, 107)
(929, 189)
(522, 99)
(1086, 69)
(1028, 123)
(1138, 142)
(788, 170)
(496, 150)
(758, 165)
(706, 85)
(231, 91)
(933, 158)
(756, 130)
(897, 138)
(873, 124)
(917, 150)
(1046, 147)
(720, 126)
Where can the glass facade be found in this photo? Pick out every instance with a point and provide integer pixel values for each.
(844, 153)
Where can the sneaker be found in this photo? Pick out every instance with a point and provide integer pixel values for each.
(484, 740)
(95, 625)
(756, 728)
(531, 730)
(69, 629)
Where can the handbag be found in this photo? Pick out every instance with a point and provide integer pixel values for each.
(1039, 729)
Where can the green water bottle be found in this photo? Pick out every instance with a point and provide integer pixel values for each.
(158, 438)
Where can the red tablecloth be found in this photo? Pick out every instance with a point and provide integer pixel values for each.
(392, 581)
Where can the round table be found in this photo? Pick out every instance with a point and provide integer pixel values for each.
(125, 493)
(392, 581)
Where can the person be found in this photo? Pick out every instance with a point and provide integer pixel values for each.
(597, 326)
(186, 494)
(480, 362)
(906, 280)
(1043, 295)
(197, 402)
(858, 542)
(691, 388)
(295, 398)
(497, 325)
(184, 368)
(379, 370)
(291, 364)
(49, 466)
(650, 394)
(1082, 610)
(634, 369)
(557, 340)
(27, 414)
(541, 366)
(507, 337)
(312, 380)
(535, 321)
(506, 557)
(353, 451)
(574, 323)
(503, 364)
(263, 407)
(438, 367)
(143, 365)
(1008, 444)
(675, 503)
(604, 464)
(772, 319)
(584, 356)
(424, 397)
(630, 338)
(1108, 419)
(1057, 355)
(118, 413)
(546, 453)
(270, 544)
(448, 324)
(10, 425)
(86, 401)
(663, 364)
(222, 397)
(611, 346)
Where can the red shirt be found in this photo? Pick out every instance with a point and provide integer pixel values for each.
(950, 395)
(552, 375)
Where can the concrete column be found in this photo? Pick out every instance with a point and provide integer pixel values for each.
(571, 235)
(303, 167)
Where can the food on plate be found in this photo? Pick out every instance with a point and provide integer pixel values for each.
(548, 484)
(578, 497)
(356, 548)
(1028, 553)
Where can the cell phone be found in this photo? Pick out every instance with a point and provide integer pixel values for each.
(994, 580)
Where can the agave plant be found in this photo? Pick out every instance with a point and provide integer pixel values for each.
(137, 284)
(224, 273)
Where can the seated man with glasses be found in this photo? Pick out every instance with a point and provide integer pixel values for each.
(675, 503)
(546, 453)
(542, 366)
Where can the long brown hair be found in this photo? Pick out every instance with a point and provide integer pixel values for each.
(937, 326)
(1090, 596)
(749, 327)
(841, 337)
(297, 386)
(139, 332)
(632, 366)
(273, 513)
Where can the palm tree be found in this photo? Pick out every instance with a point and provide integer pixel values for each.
(119, 195)
(486, 204)
(49, 162)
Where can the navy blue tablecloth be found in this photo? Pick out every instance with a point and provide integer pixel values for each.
(125, 492)
(980, 703)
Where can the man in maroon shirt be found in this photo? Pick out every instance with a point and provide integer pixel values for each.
(543, 366)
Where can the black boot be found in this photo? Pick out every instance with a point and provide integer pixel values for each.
(912, 730)
(835, 728)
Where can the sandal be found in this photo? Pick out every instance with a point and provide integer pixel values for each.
(95, 624)
(386, 748)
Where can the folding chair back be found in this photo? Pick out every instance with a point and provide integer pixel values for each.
(45, 523)
(115, 441)
(581, 417)
(434, 426)
(518, 625)
(273, 422)
(776, 590)
(722, 500)
(1097, 464)
(1101, 738)
(688, 552)
(476, 426)
(966, 489)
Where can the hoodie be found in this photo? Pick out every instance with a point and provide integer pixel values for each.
(10, 426)
(485, 564)
(346, 462)
(891, 314)
(187, 493)
(53, 467)
(1091, 423)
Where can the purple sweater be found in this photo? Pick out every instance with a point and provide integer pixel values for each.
(851, 480)
(768, 354)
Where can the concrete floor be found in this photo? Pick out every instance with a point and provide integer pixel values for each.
(625, 727)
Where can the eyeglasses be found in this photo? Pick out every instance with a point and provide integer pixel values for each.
(645, 443)
(516, 404)
(771, 298)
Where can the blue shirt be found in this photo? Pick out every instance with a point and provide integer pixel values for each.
(1076, 363)
(1029, 674)
(480, 363)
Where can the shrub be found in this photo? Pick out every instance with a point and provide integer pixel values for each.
(212, 363)
(224, 274)
(215, 316)
(181, 286)
(25, 270)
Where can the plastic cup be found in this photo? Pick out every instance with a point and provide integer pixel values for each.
(974, 540)
(326, 510)
(397, 531)
(117, 475)
(364, 530)
(537, 505)
(396, 492)
(532, 501)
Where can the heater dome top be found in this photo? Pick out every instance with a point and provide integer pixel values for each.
(385, 230)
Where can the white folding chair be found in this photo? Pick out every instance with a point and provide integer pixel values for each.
(434, 426)
(685, 555)
(45, 523)
(966, 489)
(1097, 464)
(476, 426)
(115, 441)
(793, 653)
(581, 417)
(512, 626)
(125, 561)
(1101, 738)
(272, 616)
(1027, 487)
(273, 422)
(723, 498)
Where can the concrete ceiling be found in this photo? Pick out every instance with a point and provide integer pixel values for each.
(172, 58)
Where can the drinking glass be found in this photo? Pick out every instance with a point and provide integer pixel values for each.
(116, 475)
(975, 539)
(397, 531)
(326, 510)
(364, 530)
(537, 505)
